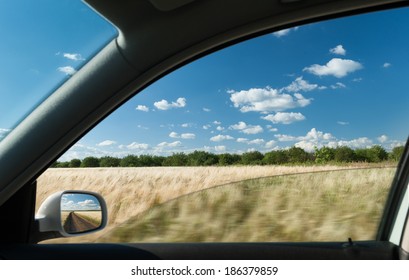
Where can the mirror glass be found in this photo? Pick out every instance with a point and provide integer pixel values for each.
(80, 212)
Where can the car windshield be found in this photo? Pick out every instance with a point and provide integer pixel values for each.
(201, 154)
(43, 44)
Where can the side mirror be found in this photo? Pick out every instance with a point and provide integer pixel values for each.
(71, 213)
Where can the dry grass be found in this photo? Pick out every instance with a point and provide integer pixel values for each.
(131, 191)
(94, 217)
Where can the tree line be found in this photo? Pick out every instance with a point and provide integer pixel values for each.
(294, 155)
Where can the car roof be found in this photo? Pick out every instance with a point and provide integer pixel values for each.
(155, 37)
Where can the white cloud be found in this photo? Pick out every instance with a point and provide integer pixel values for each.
(305, 145)
(221, 137)
(256, 142)
(338, 50)
(142, 108)
(206, 109)
(357, 80)
(252, 129)
(316, 138)
(387, 65)
(242, 140)
(342, 123)
(285, 138)
(271, 128)
(185, 125)
(284, 32)
(4, 132)
(383, 138)
(270, 144)
(362, 142)
(300, 85)
(183, 135)
(142, 127)
(238, 126)
(67, 70)
(220, 128)
(165, 105)
(73, 56)
(220, 148)
(217, 123)
(171, 145)
(188, 136)
(284, 117)
(266, 100)
(338, 85)
(86, 202)
(247, 129)
(314, 134)
(206, 126)
(174, 135)
(106, 143)
(137, 146)
(81, 151)
(336, 67)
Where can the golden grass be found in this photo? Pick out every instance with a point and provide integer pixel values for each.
(131, 191)
(94, 217)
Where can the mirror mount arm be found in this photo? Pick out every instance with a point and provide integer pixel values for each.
(38, 236)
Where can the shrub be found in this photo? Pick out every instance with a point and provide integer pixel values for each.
(275, 157)
(297, 155)
(344, 154)
(252, 158)
(324, 154)
(109, 162)
(90, 162)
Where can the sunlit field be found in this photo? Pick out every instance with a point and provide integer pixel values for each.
(169, 204)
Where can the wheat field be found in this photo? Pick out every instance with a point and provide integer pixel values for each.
(130, 192)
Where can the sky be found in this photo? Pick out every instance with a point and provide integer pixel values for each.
(43, 43)
(79, 202)
(336, 83)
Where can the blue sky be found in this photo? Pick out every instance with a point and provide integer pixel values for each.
(43, 43)
(79, 202)
(335, 83)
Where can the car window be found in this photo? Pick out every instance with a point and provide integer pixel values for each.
(45, 43)
(291, 136)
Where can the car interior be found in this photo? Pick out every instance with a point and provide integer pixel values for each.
(156, 37)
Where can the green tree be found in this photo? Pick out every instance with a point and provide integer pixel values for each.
(275, 157)
(229, 159)
(129, 161)
(90, 162)
(374, 154)
(324, 154)
(75, 163)
(109, 161)
(297, 155)
(176, 159)
(361, 155)
(63, 164)
(202, 158)
(396, 153)
(252, 158)
(344, 154)
(377, 154)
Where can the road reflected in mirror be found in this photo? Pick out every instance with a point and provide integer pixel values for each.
(80, 212)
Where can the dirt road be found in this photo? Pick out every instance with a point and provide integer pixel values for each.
(75, 223)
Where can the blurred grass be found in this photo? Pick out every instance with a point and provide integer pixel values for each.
(320, 206)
